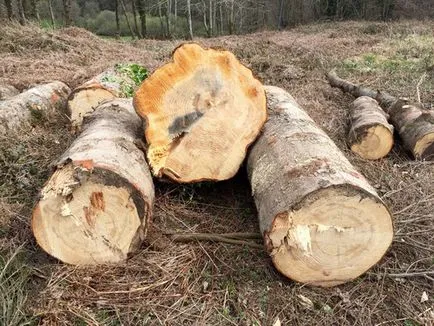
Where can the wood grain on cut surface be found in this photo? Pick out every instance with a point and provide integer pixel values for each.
(202, 111)
(97, 205)
(323, 224)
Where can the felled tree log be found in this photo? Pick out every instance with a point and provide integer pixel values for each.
(97, 205)
(414, 123)
(370, 135)
(202, 111)
(112, 83)
(7, 91)
(35, 102)
(322, 222)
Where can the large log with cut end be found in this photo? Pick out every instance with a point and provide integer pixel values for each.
(35, 102)
(109, 84)
(370, 135)
(414, 123)
(97, 205)
(202, 110)
(322, 222)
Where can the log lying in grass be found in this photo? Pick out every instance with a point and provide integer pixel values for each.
(118, 81)
(35, 102)
(7, 91)
(202, 110)
(370, 136)
(322, 223)
(414, 123)
(97, 205)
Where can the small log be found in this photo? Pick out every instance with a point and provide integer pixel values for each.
(414, 123)
(322, 222)
(7, 91)
(34, 102)
(97, 205)
(112, 83)
(202, 111)
(370, 136)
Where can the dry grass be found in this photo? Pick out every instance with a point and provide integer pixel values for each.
(213, 283)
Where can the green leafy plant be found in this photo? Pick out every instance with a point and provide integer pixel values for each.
(136, 72)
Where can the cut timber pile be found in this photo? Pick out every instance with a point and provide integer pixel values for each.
(97, 205)
(202, 110)
(322, 223)
(110, 84)
(370, 136)
(34, 102)
(414, 123)
(7, 91)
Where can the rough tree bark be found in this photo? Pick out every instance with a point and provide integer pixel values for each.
(7, 91)
(35, 11)
(97, 205)
(141, 8)
(322, 222)
(370, 135)
(107, 85)
(40, 100)
(205, 110)
(413, 122)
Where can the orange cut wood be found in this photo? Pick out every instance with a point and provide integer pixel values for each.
(202, 110)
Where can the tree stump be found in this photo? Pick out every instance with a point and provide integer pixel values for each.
(323, 224)
(202, 112)
(32, 103)
(370, 136)
(97, 205)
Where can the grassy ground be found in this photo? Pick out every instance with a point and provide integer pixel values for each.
(220, 284)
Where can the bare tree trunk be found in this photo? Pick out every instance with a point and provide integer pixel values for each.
(9, 8)
(280, 22)
(168, 20)
(160, 15)
(210, 18)
(232, 18)
(67, 12)
(35, 12)
(118, 28)
(128, 21)
(136, 26)
(21, 15)
(221, 19)
(205, 24)
(50, 7)
(190, 24)
(175, 11)
(141, 7)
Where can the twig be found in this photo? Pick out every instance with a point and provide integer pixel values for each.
(234, 239)
(418, 85)
(410, 274)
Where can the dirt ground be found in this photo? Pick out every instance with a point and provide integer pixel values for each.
(203, 283)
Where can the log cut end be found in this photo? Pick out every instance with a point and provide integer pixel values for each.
(424, 147)
(83, 101)
(202, 110)
(376, 142)
(336, 235)
(92, 221)
(370, 136)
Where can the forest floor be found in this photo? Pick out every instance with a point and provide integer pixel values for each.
(203, 283)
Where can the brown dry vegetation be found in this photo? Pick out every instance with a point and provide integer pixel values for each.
(215, 283)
